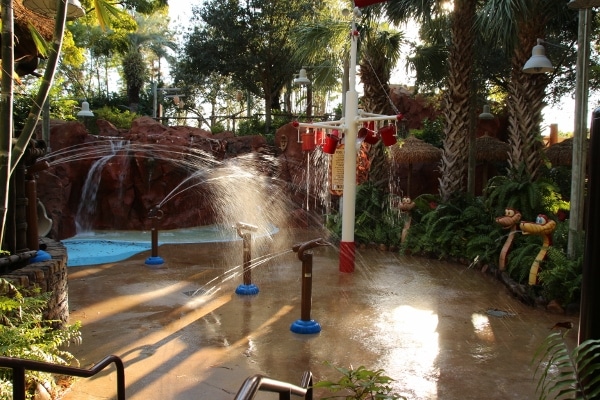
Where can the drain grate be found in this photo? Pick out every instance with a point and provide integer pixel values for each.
(197, 292)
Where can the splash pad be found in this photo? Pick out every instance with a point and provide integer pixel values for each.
(102, 247)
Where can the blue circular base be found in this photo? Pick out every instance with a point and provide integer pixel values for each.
(247, 289)
(154, 261)
(40, 256)
(305, 327)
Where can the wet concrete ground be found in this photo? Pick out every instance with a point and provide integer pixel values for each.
(183, 333)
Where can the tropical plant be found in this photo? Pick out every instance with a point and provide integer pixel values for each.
(561, 277)
(565, 374)
(359, 384)
(24, 333)
(521, 193)
(452, 229)
(432, 132)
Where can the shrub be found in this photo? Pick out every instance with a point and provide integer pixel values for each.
(359, 384)
(24, 333)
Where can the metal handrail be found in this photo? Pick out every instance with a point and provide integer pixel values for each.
(257, 383)
(19, 365)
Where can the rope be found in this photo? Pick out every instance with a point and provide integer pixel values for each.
(387, 95)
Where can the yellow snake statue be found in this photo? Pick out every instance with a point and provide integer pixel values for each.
(510, 220)
(543, 226)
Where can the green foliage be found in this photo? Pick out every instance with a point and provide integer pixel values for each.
(24, 333)
(122, 119)
(520, 259)
(564, 374)
(360, 383)
(375, 221)
(432, 132)
(561, 276)
(460, 228)
(529, 197)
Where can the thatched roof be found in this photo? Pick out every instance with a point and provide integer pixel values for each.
(24, 45)
(489, 148)
(561, 153)
(413, 150)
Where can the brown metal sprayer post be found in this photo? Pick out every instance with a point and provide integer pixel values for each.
(155, 215)
(305, 324)
(247, 287)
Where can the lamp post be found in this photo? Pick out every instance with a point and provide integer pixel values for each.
(589, 328)
(302, 80)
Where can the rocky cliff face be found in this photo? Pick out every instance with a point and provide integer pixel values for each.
(141, 168)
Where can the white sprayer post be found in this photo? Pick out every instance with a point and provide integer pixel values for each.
(347, 246)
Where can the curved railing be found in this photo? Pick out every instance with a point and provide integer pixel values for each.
(257, 383)
(19, 366)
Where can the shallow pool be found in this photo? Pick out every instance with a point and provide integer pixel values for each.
(102, 247)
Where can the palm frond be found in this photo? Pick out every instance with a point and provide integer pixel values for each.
(563, 374)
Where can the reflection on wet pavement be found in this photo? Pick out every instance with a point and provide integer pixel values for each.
(424, 322)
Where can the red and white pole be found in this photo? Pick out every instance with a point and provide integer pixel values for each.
(347, 244)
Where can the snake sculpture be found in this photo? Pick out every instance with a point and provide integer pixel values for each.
(510, 220)
(406, 205)
(543, 226)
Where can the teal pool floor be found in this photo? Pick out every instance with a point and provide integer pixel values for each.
(102, 247)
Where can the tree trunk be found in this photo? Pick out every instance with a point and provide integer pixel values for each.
(457, 107)
(525, 104)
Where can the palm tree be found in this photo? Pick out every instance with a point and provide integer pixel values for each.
(380, 54)
(152, 35)
(515, 25)
(457, 100)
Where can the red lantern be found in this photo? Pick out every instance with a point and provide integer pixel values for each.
(388, 135)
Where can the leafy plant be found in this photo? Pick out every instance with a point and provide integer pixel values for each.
(449, 229)
(529, 197)
(24, 333)
(360, 383)
(561, 277)
(432, 132)
(375, 221)
(564, 374)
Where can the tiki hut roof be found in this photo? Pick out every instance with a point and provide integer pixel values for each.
(24, 45)
(413, 150)
(561, 153)
(491, 149)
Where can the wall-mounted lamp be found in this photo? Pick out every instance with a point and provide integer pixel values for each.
(580, 4)
(538, 63)
(486, 114)
(48, 8)
(302, 79)
(85, 110)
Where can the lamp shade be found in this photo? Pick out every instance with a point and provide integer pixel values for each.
(302, 79)
(486, 114)
(580, 4)
(48, 8)
(85, 110)
(538, 63)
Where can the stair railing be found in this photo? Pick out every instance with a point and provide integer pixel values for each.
(256, 383)
(19, 366)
